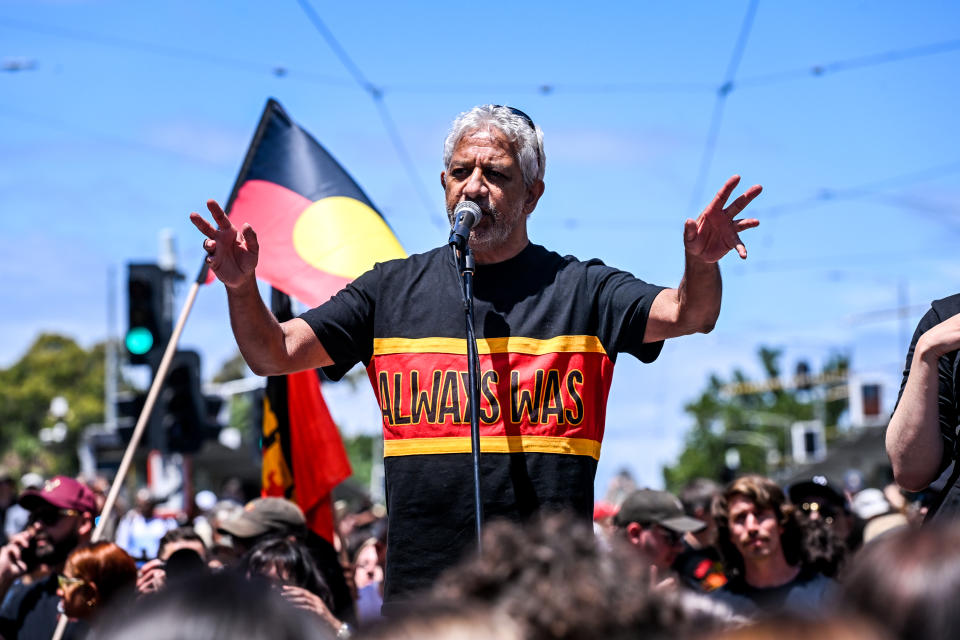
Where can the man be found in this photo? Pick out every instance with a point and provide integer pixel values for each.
(549, 329)
(654, 523)
(759, 537)
(61, 519)
(921, 438)
(140, 529)
(820, 502)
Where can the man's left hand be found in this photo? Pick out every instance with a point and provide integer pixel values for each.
(715, 232)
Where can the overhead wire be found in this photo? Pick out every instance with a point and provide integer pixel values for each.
(376, 93)
(718, 105)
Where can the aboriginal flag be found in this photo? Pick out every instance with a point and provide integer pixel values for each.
(303, 455)
(316, 228)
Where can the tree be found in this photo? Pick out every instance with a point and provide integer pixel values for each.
(54, 365)
(754, 417)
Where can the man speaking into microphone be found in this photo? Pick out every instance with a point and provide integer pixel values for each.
(549, 328)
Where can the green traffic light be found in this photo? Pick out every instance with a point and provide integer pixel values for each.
(139, 341)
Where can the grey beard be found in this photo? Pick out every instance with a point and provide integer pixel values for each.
(490, 237)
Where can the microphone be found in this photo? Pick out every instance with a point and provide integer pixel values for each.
(466, 216)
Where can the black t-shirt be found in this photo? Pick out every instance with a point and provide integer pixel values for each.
(548, 327)
(30, 611)
(807, 595)
(948, 404)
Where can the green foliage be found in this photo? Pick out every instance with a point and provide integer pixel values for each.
(54, 365)
(360, 452)
(754, 417)
(233, 369)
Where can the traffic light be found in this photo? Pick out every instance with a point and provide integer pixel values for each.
(150, 313)
(183, 411)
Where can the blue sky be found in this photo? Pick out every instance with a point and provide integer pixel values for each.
(133, 114)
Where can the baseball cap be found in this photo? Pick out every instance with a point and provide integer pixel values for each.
(62, 492)
(264, 515)
(870, 503)
(817, 486)
(647, 506)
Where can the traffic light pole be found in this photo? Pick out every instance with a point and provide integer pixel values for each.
(148, 406)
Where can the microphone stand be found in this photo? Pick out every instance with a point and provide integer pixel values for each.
(465, 268)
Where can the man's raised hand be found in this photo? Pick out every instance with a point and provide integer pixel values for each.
(232, 253)
(715, 232)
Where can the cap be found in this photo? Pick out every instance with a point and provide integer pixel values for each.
(63, 493)
(264, 515)
(870, 503)
(647, 506)
(816, 486)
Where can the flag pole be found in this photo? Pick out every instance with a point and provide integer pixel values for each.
(148, 406)
(138, 430)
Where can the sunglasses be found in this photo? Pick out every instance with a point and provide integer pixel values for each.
(66, 581)
(50, 517)
(519, 113)
(671, 536)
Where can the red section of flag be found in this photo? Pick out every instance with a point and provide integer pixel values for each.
(319, 460)
(273, 212)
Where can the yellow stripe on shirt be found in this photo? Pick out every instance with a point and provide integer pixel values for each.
(493, 444)
(458, 346)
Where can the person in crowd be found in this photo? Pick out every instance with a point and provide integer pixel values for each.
(817, 499)
(140, 529)
(8, 498)
(211, 607)
(921, 438)
(558, 581)
(760, 538)
(908, 581)
(95, 577)
(793, 627)
(699, 564)
(263, 518)
(445, 621)
(61, 519)
(550, 329)
(16, 517)
(368, 564)
(192, 556)
(288, 565)
(653, 523)
(876, 513)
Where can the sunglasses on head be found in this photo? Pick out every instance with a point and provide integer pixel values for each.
(50, 516)
(519, 113)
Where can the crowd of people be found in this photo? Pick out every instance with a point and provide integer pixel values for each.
(748, 560)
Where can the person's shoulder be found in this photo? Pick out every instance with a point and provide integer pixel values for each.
(414, 260)
(946, 307)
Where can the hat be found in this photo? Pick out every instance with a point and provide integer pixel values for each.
(817, 486)
(870, 503)
(647, 506)
(63, 493)
(264, 515)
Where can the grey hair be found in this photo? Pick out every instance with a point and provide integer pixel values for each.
(526, 139)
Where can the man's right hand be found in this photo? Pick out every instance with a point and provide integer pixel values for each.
(232, 253)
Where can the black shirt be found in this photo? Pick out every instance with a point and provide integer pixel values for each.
(548, 327)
